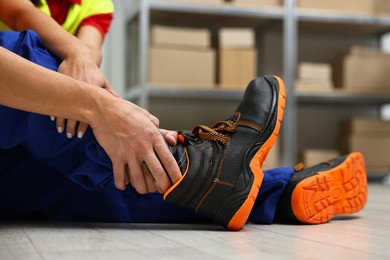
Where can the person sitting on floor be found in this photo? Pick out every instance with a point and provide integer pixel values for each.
(44, 174)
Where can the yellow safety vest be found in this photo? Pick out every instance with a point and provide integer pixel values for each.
(77, 13)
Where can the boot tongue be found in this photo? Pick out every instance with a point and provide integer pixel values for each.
(235, 117)
(186, 137)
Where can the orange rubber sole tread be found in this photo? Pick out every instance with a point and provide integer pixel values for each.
(241, 216)
(341, 190)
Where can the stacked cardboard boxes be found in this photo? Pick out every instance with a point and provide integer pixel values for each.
(181, 57)
(371, 137)
(314, 77)
(362, 69)
(237, 58)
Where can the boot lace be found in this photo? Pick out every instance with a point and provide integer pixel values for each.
(216, 133)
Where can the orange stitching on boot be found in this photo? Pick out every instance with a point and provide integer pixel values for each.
(225, 183)
(204, 197)
(215, 182)
(217, 177)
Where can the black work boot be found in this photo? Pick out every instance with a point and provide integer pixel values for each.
(315, 195)
(222, 165)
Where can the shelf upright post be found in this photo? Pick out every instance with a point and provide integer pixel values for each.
(260, 49)
(289, 131)
(113, 64)
(132, 53)
(144, 26)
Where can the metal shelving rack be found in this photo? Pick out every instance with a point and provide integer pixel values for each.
(142, 9)
(135, 17)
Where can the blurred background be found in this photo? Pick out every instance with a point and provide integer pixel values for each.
(189, 61)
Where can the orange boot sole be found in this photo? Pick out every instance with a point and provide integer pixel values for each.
(340, 190)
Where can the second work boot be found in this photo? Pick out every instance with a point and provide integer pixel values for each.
(222, 165)
(316, 194)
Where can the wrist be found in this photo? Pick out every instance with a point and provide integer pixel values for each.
(76, 50)
(98, 102)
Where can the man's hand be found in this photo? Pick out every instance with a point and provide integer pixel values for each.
(131, 138)
(81, 67)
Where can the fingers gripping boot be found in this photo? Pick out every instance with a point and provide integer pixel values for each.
(221, 165)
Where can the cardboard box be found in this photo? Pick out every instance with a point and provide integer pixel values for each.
(182, 67)
(362, 73)
(273, 157)
(313, 85)
(257, 3)
(383, 7)
(237, 67)
(236, 38)
(375, 149)
(371, 137)
(383, 170)
(314, 77)
(348, 6)
(311, 157)
(190, 37)
(311, 70)
(364, 51)
(366, 126)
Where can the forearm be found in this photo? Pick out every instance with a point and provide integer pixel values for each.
(96, 54)
(92, 38)
(22, 15)
(54, 37)
(29, 87)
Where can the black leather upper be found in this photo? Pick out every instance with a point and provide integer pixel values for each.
(218, 179)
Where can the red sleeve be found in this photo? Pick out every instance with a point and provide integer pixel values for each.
(101, 22)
